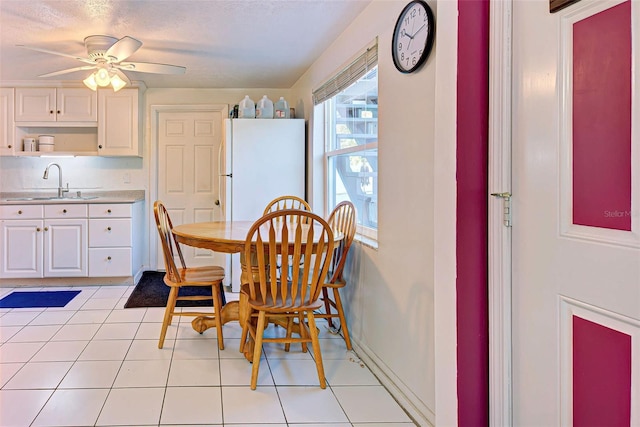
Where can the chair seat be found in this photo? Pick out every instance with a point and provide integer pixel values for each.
(277, 306)
(197, 276)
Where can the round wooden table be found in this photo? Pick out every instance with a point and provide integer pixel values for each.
(226, 237)
(219, 236)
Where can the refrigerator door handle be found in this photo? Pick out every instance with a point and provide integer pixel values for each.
(220, 180)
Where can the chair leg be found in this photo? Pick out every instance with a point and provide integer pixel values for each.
(244, 312)
(287, 345)
(257, 351)
(303, 331)
(327, 305)
(168, 314)
(343, 320)
(217, 306)
(315, 343)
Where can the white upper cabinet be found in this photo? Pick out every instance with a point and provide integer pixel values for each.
(7, 144)
(118, 131)
(83, 122)
(64, 105)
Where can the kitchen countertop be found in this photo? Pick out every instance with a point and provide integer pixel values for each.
(41, 197)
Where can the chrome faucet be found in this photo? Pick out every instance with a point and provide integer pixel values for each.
(61, 189)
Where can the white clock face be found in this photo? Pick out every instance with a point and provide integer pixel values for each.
(412, 37)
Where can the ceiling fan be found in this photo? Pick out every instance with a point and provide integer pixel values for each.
(106, 54)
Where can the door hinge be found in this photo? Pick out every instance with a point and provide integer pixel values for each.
(506, 207)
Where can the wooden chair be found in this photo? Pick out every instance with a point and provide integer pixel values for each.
(285, 234)
(177, 277)
(342, 219)
(287, 202)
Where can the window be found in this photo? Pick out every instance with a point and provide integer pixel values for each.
(350, 107)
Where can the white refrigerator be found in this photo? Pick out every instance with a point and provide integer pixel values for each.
(263, 159)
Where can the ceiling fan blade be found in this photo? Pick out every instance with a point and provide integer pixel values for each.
(123, 48)
(149, 67)
(53, 52)
(69, 70)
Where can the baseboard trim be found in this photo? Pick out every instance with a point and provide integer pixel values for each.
(419, 413)
(67, 281)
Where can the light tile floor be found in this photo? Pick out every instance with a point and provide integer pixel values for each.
(93, 363)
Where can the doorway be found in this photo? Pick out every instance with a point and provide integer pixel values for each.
(567, 305)
(185, 147)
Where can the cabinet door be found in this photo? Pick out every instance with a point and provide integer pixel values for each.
(21, 248)
(65, 248)
(76, 105)
(7, 143)
(118, 123)
(35, 105)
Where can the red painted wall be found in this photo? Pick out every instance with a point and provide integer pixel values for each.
(471, 223)
(602, 119)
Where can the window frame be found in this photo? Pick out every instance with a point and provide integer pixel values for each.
(329, 135)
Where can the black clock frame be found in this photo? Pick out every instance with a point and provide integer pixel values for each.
(431, 22)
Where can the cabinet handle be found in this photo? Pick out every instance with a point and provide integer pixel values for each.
(38, 229)
(108, 258)
(64, 211)
(19, 212)
(9, 146)
(108, 228)
(100, 147)
(50, 111)
(46, 229)
(58, 112)
(108, 210)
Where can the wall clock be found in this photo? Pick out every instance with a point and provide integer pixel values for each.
(413, 36)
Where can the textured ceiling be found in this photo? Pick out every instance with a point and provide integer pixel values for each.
(222, 43)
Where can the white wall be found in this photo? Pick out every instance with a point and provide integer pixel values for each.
(390, 297)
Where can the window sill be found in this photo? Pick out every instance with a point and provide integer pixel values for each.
(366, 241)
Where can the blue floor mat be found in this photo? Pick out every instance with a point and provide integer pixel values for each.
(37, 299)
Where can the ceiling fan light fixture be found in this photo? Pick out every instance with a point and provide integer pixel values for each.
(117, 83)
(102, 77)
(90, 82)
(105, 55)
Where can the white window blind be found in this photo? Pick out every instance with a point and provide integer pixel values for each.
(348, 76)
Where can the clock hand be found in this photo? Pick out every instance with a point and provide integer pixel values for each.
(419, 29)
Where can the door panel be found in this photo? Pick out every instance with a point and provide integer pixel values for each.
(188, 144)
(65, 248)
(576, 267)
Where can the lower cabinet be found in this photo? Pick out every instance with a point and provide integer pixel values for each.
(51, 241)
(112, 239)
(70, 240)
(21, 247)
(65, 248)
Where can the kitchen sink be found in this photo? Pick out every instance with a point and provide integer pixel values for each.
(18, 199)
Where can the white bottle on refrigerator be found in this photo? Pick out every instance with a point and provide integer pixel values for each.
(281, 109)
(264, 109)
(247, 108)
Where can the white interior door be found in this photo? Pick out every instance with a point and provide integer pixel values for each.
(188, 146)
(576, 217)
